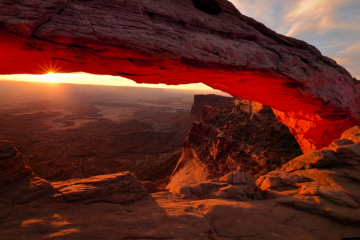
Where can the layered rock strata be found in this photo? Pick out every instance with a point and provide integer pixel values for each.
(242, 135)
(324, 182)
(211, 100)
(112, 188)
(188, 41)
(12, 166)
(236, 185)
(19, 185)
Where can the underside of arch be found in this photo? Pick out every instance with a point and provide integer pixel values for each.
(177, 42)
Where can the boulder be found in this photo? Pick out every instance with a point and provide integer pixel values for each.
(235, 185)
(316, 159)
(352, 134)
(280, 179)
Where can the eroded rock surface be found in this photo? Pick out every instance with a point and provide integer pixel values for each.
(12, 166)
(241, 135)
(188, 41)
(161, 216)
(325, 182)
(236, 185)
(113, 188)
(211, 100)
(18, 183)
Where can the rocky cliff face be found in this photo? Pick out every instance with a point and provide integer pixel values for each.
(12, 166)
(18, 184)
(241, 135)
(175, 42)
(208, 100)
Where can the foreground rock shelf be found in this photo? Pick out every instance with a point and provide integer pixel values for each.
(314, 196)
(161, 216)
(112, 188)
(175, 42)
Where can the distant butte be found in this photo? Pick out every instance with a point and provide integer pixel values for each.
(189, 41)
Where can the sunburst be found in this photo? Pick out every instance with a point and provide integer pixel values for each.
(49, 77)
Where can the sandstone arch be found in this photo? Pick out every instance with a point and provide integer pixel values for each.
(174, 42)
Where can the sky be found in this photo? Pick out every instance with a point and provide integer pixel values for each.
(85, 78)
(333, 26)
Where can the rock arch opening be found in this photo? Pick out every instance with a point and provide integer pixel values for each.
(310, 93)
(67, 131)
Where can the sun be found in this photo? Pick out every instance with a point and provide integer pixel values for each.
(49, 77)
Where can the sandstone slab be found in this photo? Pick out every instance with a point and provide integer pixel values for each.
(113, 188)
(324, 182)
(316, 159)
(235, 185)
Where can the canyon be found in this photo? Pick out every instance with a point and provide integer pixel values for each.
(69, 131)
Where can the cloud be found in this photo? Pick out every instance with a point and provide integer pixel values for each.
(335, 45)
(306, 16)
(351, 49)
(266, 11)
(331, 25)
(297, 17)
(343, 60)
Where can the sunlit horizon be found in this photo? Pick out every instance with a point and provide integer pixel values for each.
(102, 80)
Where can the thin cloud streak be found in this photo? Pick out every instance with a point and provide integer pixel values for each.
(330, 25)
(352, 48)
(312, 15)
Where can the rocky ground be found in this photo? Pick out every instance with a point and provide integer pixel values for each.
(315, 196)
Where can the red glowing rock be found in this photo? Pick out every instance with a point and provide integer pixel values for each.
(175, 42)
